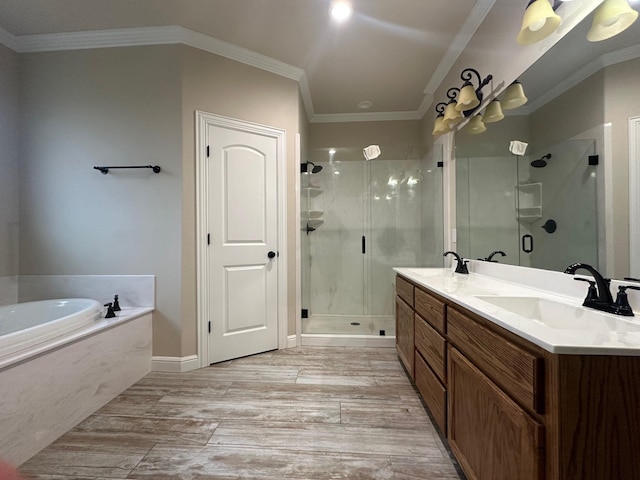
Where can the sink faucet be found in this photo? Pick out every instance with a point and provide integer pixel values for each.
(495, 252)
(603, 299)
(461, 267)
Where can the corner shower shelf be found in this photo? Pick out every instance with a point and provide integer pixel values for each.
(529, 202)
(312, 212)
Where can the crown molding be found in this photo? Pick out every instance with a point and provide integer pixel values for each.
(166, 35)
(364, 117)
(606, 60)
(474, 20)
(8, 40)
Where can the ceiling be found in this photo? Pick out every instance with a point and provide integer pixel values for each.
(392, 53)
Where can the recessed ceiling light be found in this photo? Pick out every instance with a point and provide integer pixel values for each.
(341, 10)
(364, 104)
(332, 151)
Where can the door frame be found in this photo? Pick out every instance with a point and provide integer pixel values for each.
(634, 196)
(203, 120)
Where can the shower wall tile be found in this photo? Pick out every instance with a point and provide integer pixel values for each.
(132, 290)
(8, 290)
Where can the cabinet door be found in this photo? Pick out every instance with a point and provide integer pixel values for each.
(405, 334)
(492, 437)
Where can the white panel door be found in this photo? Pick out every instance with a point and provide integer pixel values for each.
(243, 235)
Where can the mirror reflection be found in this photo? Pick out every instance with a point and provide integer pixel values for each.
(544, 207)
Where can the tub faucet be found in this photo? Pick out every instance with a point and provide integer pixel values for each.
(492, 254)
(110, 312)
(461, 267)
(602, 299)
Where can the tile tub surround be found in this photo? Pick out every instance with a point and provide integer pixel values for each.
(48, 394)
(8, 290)
(132, 290)
(507, 280)
(312, 413)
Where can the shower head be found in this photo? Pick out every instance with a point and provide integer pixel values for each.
(304, 167)
(541, 162)
(371, 152)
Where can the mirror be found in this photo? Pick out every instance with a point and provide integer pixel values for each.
(545, 208)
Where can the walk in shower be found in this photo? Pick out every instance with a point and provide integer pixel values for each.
(359, 220)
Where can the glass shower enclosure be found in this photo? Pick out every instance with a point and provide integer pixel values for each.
(359, 220)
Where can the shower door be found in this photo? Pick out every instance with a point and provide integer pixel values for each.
(373, 217)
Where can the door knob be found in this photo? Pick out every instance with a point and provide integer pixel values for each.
(271, 254)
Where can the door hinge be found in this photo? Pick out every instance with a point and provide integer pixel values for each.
(208, 239)
(209, 327)
(440, 164)
(207, 150)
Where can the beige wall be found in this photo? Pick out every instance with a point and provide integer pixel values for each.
(621, 101)
(116, 106)
(8, 162)
(129, 106)
(397, 139)
(217, 85)
(569, 114)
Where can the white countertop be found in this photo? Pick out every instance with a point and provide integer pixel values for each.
(589, 332)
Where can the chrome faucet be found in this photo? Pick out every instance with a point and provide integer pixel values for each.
(461, 267)
(601, 299)
(492, 254)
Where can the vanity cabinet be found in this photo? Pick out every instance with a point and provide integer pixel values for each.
(511, 410)
(405, 330)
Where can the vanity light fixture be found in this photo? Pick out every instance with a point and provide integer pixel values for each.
(539, 21)
(611, 18)
(470, 97)
(514, 96)
(493, 112)
(440, 126)
(452, 116)
(476, 125)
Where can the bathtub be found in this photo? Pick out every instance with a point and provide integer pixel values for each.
(60, 361)
(25, 325)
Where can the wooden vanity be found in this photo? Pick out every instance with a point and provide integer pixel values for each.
(511, 410)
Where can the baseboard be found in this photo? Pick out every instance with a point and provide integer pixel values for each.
(292, 341)
(175, 364)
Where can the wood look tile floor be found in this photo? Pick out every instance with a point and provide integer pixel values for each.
(302, 413)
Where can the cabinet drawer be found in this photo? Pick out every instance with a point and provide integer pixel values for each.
(516, 371)
(404, 290)
(431, 309)
(432, 346)
(405, 332)
(433, 393)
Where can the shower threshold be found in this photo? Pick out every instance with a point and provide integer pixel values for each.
(349, 330)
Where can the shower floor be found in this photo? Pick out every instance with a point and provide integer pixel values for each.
(349, 325)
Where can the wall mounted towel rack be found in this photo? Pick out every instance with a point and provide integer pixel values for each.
(105, 170)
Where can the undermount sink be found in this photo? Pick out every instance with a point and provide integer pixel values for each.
(558, 315)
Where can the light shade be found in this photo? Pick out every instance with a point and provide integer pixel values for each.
(514, 96)
(493, 112)
(611, 18)
(440, 126)
(467, 98)
(451, 115)
(539, 22)
(476, 125)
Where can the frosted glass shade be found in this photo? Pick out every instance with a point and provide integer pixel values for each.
(467, 98)
(611, 18)
(493, 112)
(476, 125)
(440, 126)
(539, 22)
(514, 96)
(451, 115)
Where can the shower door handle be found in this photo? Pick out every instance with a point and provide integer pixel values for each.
(364, 245)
